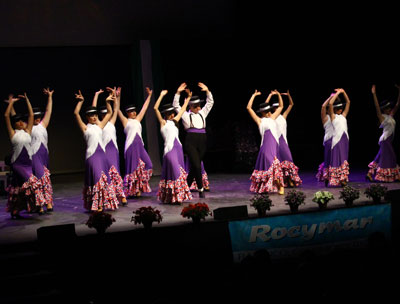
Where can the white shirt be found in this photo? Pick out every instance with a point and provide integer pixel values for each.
(268, 124)
(169, 133)
(388, 125)
(93, 137)
(197, 121)
(39, 136)
(20, 140)
(329, 131)
(281, 126)
(132, 128)
(110, 134)
(340, 127)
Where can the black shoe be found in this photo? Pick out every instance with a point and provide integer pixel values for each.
(202, 194)
(16, 216)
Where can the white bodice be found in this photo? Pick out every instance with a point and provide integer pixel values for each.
(93, 137)
(20, 140)
(169, 133)
(340, 128)
(281, 125)
(388, 125)
(110, 134)
(268, 124)
(329, 131)
(39, 136)
(132, 128)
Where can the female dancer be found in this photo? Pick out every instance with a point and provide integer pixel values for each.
(98, 192)
(267, 175)
(323, 170)
(25, 190)
(138, 166)
(289, 169)
(173, 187)
(109, 137)
(339, 167)
(384, 167)
(40, 150)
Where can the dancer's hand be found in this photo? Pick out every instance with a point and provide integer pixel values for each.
(11, 99)
(79, 96)
(181, 88)
(256, 93)
(203, 87)
(373, 89)
(163, 93)
(48, 92)
(287, 93)
(24, 96)
(99, 92)
(148, 91)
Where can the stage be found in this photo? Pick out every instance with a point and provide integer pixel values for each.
(226, 190)
(176, 261)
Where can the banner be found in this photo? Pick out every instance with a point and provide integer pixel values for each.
(291, 233)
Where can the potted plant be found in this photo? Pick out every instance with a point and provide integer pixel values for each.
(100, 220)
(196, 212)
(262, 203)
(294, 199)
(322, 198)
(146, 216)
(376, 192)
(349, 194)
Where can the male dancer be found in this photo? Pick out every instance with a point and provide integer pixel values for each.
(194, 122)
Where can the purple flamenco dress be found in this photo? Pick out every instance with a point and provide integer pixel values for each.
(98, 192)
(25, 191)
(268, 167)
(339, 167)
(112, 155)
(384, 167)
(323, 170)
(289, 169)
(138, 166)
(40, 161)
(173, 187)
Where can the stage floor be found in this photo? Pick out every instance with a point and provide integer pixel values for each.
(226, 190)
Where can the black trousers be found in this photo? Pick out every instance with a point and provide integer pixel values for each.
(195, 148)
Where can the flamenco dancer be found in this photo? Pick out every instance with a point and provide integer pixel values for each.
(194, 122)
(384, 167)
(109, 137)
(98, 193)
(25, 189)
(173, 187)
(138, 166)
(267, 175)
(40, 150)
(289, 169)
(323, 170)
(338, 173)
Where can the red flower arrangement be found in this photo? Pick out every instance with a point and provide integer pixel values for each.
(100, 220)
(196, 211)
(146, 215)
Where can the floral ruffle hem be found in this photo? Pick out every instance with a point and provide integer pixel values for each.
(174, 191)
(138, 180)
(116, 181)
(290, 171)
(265, 181)
(206, 183)
(323, 173)
(337, 175)
(387, 175)
(101, 195)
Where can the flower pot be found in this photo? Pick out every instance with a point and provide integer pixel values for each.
(348, 203)
(294, 208)
(101, 230)
(322, 205)
(196, 220)
(376, 199)
(147, 224)
(261, 212)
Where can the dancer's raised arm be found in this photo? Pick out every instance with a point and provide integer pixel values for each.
(80, 99)
(30, 113)
(280, 107)
(7, 113)
(157, 105)
(96, 97)
(253, 114)
(347, 107)
(142, 112)
(111, 98)
(376, 103)
(49, 107)
(183, 109)
(291, 104)
(175, 102)
(331, 101)
(10, 96)
(324, 115)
